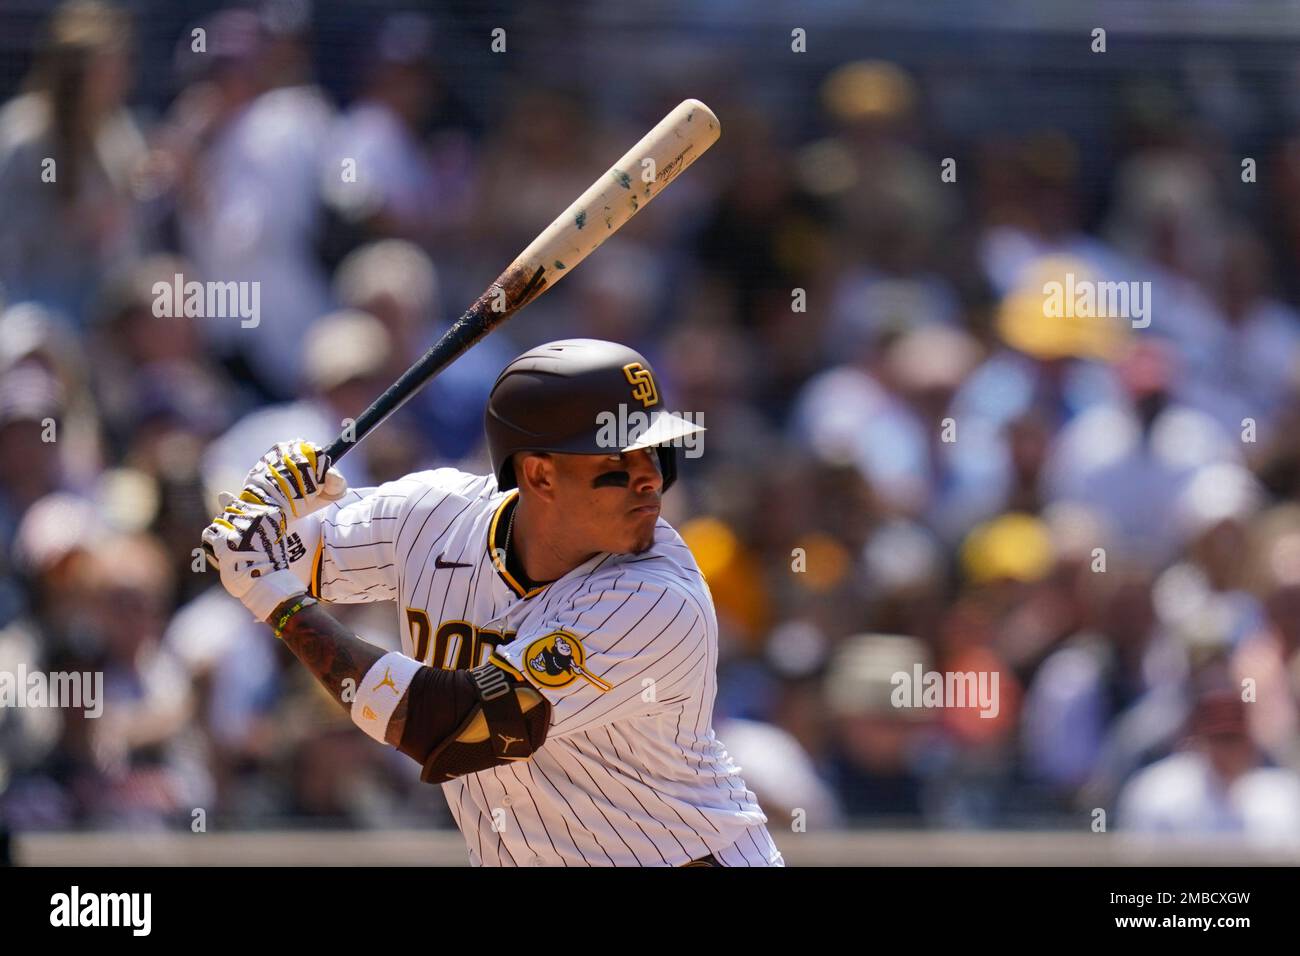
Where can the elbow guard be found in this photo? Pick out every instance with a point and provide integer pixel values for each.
(460, 722)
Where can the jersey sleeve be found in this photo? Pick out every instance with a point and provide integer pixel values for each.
(354, 551)
(347, 553)
(633, 649)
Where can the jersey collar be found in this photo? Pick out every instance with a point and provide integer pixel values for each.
(495, 549)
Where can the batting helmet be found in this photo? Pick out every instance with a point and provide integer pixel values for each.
(574, 397)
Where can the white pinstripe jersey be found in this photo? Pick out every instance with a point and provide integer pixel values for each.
(624, 647)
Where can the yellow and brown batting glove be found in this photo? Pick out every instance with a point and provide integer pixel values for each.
(295, 476)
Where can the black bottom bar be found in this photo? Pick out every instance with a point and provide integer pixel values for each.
(978, 906)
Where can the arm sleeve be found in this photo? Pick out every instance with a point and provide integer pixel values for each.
(634, 649)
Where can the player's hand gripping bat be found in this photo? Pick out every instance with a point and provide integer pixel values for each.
(672, 145)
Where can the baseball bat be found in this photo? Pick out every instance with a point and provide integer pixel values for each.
(618, 195)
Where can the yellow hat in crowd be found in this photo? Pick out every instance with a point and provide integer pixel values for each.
(1039, 317)
(1013, 546)
(868, 89)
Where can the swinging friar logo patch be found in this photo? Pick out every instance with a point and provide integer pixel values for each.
(557, 659)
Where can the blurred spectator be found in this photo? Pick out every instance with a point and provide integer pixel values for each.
(1219, 783)
(152, 372)
(878, 761)
(1255, 364)
(1095, 675)
(144, 764)
(1030, 212)
(34, 337)
(69, 152)
(848, 415)
(162, 400)
(1267, 660)
(1130, 460)
(380, 174)
(31, 406)
(890, 204)
(244, 142)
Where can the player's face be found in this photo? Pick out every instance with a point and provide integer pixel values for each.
(613, 499)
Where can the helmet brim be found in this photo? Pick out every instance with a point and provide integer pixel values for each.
(664, 428)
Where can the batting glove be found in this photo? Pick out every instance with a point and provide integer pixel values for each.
(295, 476)
(248, 542)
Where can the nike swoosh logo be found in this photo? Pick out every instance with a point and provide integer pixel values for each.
(439, 563)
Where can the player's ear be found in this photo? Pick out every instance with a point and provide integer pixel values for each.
(536, 472)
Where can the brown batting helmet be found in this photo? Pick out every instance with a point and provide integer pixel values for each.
(569, 397)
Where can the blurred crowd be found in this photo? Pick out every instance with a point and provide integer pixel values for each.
(908, 461)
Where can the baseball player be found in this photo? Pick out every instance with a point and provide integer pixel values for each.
(559, 644)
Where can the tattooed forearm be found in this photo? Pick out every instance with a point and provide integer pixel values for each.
(335, 655)
(329, 650)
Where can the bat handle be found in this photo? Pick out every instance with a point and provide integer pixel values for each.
(337, 449)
